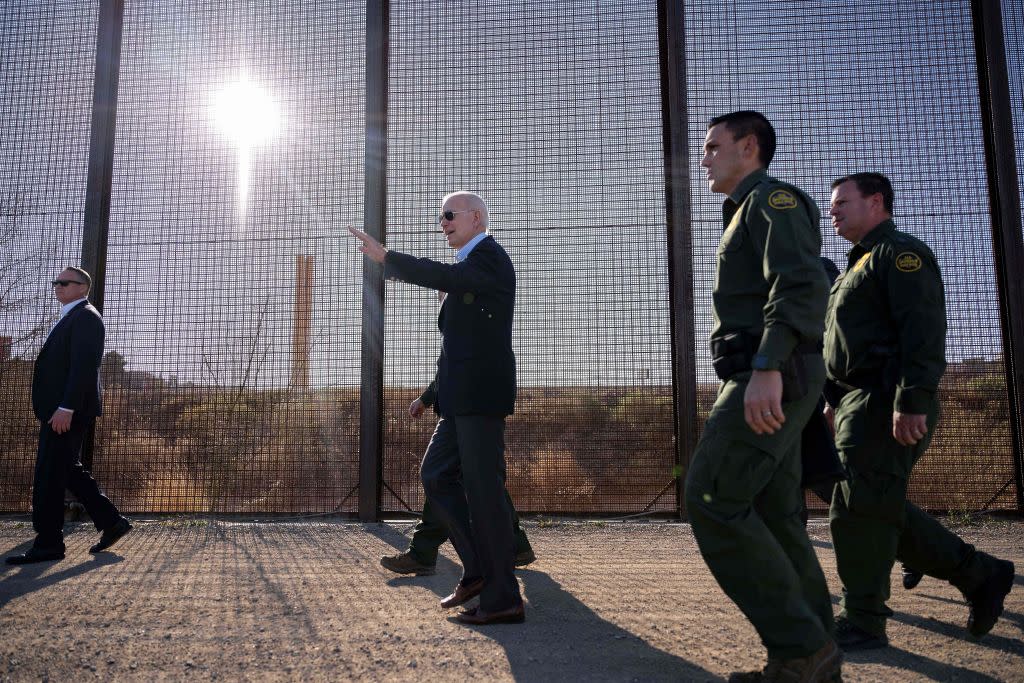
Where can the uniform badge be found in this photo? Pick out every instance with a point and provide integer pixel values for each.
(908, 262)
(861, 262)
(782, 200)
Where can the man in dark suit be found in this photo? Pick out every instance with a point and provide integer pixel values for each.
(66, 399)
(463, 470)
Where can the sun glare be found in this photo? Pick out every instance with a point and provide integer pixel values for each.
(248, 117)
(246, 114)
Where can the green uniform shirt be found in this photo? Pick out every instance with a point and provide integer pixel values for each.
(889, 308)
(769, 282)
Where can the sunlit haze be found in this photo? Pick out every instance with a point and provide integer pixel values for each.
(248, 117)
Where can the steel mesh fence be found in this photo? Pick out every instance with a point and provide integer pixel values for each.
(233, 298)
(552, 112)
(890, 87)
(1013, 37)
(48, 57)
(233, 303)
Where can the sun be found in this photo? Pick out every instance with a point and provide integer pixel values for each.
(248, 117)
(246, 114)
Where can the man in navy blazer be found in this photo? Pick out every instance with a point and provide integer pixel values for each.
(67, 400)
(463, 470)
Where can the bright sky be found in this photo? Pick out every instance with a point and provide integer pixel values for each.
(240, 145)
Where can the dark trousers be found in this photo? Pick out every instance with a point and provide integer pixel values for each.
(431, 533)
(463, 474)
(873, 523)
(59, 467)
(744, 499)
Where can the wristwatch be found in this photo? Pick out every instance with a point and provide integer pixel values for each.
(763, 362)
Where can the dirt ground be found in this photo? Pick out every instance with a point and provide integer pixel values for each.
(185, 599)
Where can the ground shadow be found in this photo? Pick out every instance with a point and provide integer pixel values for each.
(560, 632)
(17, 581)
(959, 631)
(441, 583)
(826, 545)
(917, 666)
(562, 637)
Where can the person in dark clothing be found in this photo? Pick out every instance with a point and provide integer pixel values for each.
(885, 345)
(67, 399)
(463, 470)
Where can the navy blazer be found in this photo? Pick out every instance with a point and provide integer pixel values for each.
(476, 371)
(67, 370)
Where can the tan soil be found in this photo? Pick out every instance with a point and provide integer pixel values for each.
(607, 601)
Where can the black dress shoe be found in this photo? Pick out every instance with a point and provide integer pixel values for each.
(524, 558)
(911, 577)
(477, 617)
(851, 637)
(463, 594)
(32, 555)
(112, 535)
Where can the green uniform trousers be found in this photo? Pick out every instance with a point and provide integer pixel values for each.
(431, 533)
(745, 503)
(872, 522)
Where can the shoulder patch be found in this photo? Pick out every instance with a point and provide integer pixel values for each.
(908, 262)
(782, 199)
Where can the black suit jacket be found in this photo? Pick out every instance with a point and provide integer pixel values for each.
(67, 370)
(476, 372)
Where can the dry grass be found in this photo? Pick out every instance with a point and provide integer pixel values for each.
(571, 450)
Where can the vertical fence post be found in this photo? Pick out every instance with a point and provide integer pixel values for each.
(96, 219)
(1004, 200)
(675, 141)
(371, 395)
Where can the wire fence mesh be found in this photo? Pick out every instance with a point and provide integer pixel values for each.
(48, 53)
(232, 305)
(233, 298)
(845, 100)
(552, 112)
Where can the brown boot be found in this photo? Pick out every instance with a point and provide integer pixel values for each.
(824, 666)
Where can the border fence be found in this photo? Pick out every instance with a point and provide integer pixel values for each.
(202, 160)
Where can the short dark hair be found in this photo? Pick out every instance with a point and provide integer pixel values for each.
(746, 122)
(869, 184)
(86, 278)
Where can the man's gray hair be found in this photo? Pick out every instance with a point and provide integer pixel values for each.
(471, 200)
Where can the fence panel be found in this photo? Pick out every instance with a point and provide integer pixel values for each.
(48, 57)
(890, 87)
(233, 298)
(552, 111)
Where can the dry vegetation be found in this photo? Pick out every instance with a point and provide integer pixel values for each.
(167, 447)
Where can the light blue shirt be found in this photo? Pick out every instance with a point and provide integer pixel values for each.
(463, 253)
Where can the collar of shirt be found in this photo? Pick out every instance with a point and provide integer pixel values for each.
(872, 238)
(463, 253)
(733, 201)
(66, 308)
(747, 184)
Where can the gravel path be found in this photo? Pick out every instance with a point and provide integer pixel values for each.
(284, 600)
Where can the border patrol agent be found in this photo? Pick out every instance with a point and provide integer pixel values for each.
(743, 490)
(885, 340)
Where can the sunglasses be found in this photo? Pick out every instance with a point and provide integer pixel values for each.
(450, 215)
(65, 283)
